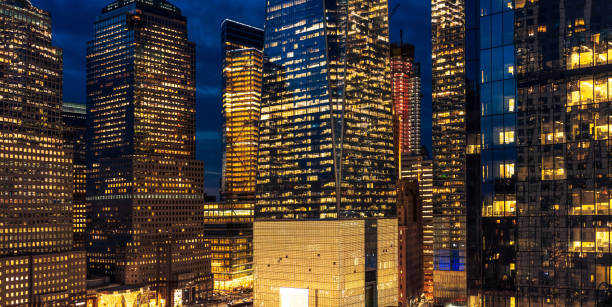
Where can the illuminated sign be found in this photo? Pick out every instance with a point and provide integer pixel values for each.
(291, 297)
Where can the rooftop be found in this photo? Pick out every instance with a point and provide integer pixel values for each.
(160, 4)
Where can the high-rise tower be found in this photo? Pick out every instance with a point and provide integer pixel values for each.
(497, 83)
(230, 223)
(145, 187)
(242, 80)
(564, 85)
(37, 264)
(406, 94)
(74, 116)
(456, 148)
(326, 183)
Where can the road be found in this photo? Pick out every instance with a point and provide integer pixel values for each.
(236, 298)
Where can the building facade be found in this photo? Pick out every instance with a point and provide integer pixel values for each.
(37, 262)
(242, 48)
(406, 94)
(563, 71)
(456, 150)
(74, 116)
(145, 187)
(410, 227)
(419, 169)
(230, 223)
(326, 155)
(229, 231)
(498, 153)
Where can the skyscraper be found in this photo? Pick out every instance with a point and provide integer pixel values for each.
(419, 169)
(543, 85)
(145, 187)
(449, 149)
(563, 71)
(74, 116)
(242, 80)
(456, 146)
(230, 223)
(497, 83)
(406, 94)
(325, 230)
(37, 262)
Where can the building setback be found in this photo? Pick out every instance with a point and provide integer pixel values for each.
(37, 262)
(326, 184)
(145, 187)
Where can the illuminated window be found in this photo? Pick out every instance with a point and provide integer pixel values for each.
(506, 137)
(553, 168)
(506, 170)
(503, 205)
(511, 104)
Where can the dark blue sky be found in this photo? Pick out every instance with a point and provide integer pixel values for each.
(73, 24)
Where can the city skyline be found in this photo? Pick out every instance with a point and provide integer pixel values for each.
(296, 153)
(204, 23)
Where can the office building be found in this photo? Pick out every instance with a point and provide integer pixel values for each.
(456, 148)
(563, 71)
(229, 232)
(242, 80)
(37, 263)
(326, 185)
(497, 82)
(74, 116)
(230, 223)
(144, 185)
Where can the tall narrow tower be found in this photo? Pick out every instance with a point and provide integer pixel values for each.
(75, 129)
(230, 222)
(145, 187)
(37, 262)
(326, 183)
(406, 94)
(242, 80)
(456, 149)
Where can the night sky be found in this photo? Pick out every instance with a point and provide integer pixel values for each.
(73, 27)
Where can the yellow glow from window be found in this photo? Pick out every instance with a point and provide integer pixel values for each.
(511, 105)
(506, 170)
(506, 137)
(500, 207)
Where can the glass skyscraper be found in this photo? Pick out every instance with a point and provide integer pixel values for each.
(38, 266)
(326, 157)
(230, 222)
(497, 82)
(456, 150)
(145, 187)
(540, 236)
(564, 74)
(242, 47)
